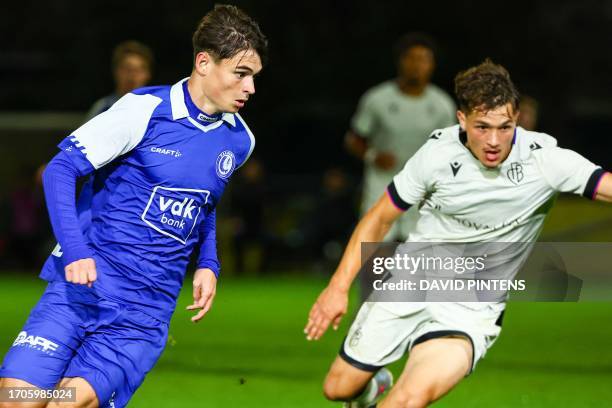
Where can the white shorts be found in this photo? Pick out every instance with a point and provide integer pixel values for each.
(383, 332)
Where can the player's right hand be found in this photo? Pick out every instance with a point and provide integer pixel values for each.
(82, 272)
(385, 161)
(329, 308)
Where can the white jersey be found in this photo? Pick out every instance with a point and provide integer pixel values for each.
(461, 200)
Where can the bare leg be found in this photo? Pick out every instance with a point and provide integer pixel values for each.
(344, 382)
(14, 382)
(434, 367)
(85, 395)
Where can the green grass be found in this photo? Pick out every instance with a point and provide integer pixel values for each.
(250, 351)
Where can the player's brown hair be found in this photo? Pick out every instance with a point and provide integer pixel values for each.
(485, 87)
(407, 41)
(225, 31)
(126, 48)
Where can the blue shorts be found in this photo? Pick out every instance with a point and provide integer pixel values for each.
(72, 332)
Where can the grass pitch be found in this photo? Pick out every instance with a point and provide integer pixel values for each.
(249, 351)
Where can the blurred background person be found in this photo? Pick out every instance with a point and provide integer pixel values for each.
(529, 108)
(328, 226)
(247, 216)
(25, 227)
(132, 66)
(395, 118)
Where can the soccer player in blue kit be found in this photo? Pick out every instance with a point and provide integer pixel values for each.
(161, 158)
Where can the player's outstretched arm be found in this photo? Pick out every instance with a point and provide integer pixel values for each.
(604, 190)
(204, 291)
(332, 303)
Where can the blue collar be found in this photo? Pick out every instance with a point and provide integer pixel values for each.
(195, 113)
(180, 99)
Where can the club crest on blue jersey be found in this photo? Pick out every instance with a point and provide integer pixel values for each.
(226, 163)
(174, 211)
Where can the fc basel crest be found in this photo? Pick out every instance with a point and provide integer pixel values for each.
(515, 173)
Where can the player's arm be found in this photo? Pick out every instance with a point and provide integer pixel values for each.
(332, 304)
(603, 192)
(208, 268)
(408, 187)
(90, 147)
(363, 124)
(59, 182)
(358, 146)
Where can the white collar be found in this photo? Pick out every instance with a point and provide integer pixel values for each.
(179, 109)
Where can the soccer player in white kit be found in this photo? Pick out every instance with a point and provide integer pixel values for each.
(484, 180)
(394, 119)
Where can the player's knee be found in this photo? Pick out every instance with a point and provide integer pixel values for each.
(335, 388)
(413, 399)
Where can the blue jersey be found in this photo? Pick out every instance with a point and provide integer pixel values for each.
(160, 167)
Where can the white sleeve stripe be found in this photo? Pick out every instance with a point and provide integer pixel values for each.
(251, 136)
(116, 131)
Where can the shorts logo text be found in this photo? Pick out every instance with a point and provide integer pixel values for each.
(35, 342)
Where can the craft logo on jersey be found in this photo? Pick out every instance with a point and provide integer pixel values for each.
(226, 162)
(515, 173)
(170, 152)
(174, 211)
(35, 342)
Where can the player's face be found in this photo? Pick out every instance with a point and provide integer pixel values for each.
(228, 83)
(131, 73)
(490, 133)
(416, 65)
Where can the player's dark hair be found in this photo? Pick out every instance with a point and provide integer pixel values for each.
(485, 87)
(126, 48)
(407, 41)
(225, 31)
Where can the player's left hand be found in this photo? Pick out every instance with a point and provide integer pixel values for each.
(204, 290)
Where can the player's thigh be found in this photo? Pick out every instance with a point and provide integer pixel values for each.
(47, 342)
(115, 359)
(344, 381)
(434, 367)
(84, 394)
(13, 383)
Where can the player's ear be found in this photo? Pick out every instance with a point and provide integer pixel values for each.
(461, 119)
(202, 62)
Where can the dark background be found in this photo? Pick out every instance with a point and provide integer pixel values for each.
(54, 56)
